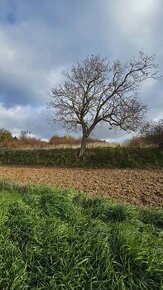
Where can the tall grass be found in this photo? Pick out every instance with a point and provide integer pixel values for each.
(53, 239)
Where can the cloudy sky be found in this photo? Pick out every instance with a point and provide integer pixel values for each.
(40, 38)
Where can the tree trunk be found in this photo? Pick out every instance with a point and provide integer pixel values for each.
(83, 147)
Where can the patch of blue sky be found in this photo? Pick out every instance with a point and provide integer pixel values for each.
(8, 11)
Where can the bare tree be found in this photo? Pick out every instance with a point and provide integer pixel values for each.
(152, 132)
(96, 91)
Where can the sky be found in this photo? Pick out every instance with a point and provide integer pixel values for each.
(41, 38)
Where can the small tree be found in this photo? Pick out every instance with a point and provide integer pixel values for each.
(24, 134)
(153, 133)
(97, 91)
(5, 136)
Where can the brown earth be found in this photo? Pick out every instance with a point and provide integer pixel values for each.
(137, 187)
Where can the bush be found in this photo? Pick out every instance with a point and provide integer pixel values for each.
(153, 133)
(127, 157)
(5, 136)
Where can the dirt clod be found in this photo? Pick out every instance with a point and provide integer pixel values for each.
(137, 187)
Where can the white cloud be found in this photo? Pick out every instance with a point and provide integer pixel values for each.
(135, 17)
(34, 120)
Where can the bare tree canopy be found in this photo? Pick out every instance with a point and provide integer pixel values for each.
(153, 132)
(96, 91)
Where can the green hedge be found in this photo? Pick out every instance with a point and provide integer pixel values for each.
(119, 157)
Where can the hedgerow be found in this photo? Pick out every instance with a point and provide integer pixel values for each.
(119, 157)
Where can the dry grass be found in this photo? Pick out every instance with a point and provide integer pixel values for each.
(56, 142)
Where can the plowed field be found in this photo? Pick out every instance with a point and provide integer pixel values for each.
(137, 187)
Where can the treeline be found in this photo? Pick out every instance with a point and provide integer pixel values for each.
(26, 140)
(151, 134)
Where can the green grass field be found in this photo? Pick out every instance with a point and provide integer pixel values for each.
(53, 239)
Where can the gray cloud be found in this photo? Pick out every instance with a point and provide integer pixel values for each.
(39, 40)
(33, 119)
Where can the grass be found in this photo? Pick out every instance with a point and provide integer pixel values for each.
(52, 239)
(119, 157)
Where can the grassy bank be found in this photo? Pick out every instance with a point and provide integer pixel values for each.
(53, 239)
(127, 157)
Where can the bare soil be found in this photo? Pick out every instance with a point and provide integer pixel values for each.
(137, 187)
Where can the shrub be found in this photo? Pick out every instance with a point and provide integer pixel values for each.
(120, 157)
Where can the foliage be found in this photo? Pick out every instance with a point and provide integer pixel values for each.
(153, 133)
(69, 140)
(118, 157)
(63, 140)
(5, 136)
(53, 239)
(27, 141)
(137, 141)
